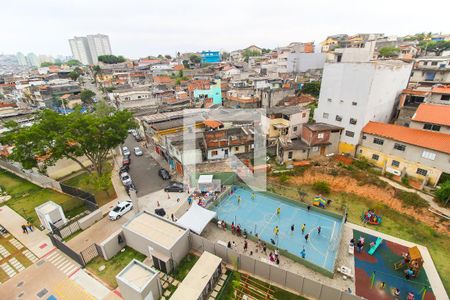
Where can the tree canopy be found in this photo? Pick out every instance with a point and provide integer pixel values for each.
(435, 46)
(196, 59)
(87, 96)
(389, 51)
(443, 192)
(55, 136)
(111, 59)
(48, 64)
(73, 62)
(311, 88)
(249, 53)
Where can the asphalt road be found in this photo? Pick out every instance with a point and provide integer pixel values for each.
(144, 170)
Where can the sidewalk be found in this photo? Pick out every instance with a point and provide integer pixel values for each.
(424, 196)
(430, 269)
(90, 284)
(37, 241)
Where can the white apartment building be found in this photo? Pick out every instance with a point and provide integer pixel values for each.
(88, 49)
(354, 93)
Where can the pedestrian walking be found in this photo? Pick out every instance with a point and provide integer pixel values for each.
(30, 226)
(303, 253)
(319, 229)
(24, 229)
(307, 237)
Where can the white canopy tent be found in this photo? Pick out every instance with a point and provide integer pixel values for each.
(196, 218)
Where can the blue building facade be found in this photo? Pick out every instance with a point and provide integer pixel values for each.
(210, 57)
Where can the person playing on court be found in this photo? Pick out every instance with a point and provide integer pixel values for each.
(253, 196)
(239, 199)
(307, 237)
(303, 228)
(276, 230)
(319, 229)
(292, 228)
(303, 253)
(278, 211)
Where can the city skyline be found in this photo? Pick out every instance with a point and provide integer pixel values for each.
(165, 28)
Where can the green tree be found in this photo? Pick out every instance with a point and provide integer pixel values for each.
(321, 187)
(196, 59)
(73, 63)
(311, 88)
(54, 136)
(87, 96)
(389, 51)
(58, 102)
(443, 192)
(185, 63)
(111, 59)
(2, 96)
(225, 55)
(168, 56)
(266, 50)
(46, 64)
(74, 75)
(249, 53)
(435, 46)
(102, 109)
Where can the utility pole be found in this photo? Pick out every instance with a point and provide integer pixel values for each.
(134, 200)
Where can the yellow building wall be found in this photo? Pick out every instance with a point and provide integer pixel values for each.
(347, 148)
(273, 133)
(409, 167)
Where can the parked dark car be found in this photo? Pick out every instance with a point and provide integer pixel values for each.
(174, 186)
(164, 174)
(124, 168)
(130, 186)
(126, 160)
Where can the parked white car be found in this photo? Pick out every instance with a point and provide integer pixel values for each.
(121, 209)
(125, 151)
(138, 151)
(126, 179)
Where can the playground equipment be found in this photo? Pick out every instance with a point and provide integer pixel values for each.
(319, 201)
(375, 246)
(371, 218)
(413, 260)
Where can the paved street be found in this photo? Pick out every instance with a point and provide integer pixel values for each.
(144, 170)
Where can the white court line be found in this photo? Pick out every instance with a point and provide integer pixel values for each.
(328, 249)
(267, 223)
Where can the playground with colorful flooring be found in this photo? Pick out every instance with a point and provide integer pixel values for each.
(387, 270)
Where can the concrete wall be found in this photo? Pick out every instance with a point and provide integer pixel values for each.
(303, 62)
(90, 219)
(362, 91)
(285, 279)
(111, 245)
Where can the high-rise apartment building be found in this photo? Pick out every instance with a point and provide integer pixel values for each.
(21, 59)
(33, 60)
(88, 49)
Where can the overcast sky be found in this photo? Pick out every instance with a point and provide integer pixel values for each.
(148, 27)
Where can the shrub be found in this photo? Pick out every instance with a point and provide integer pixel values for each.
(405, 180)
(362, 163)
(321, 187)
(443, 192)
(283, 178)
(411, 199)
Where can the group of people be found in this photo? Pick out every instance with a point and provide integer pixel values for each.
(276, 231)
(27, 228)
(359, 244)
(274, 257)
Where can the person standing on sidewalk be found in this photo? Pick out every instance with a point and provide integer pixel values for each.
(24, 229)
(30, 226)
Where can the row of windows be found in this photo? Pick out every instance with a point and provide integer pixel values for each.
(402, 147)
(433, 127)
(354, 103)
(338, 118)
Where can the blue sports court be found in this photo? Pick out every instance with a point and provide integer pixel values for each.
(258, 214)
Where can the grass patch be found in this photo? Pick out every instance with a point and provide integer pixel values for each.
(235, 282)
(114, 265)
(394, 223)
(411, 199)
(25, 196)
(185, 266)
(84, 182)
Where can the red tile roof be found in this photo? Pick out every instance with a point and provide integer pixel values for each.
(433, 113)
(441, 89)
(162, 79)
(422, 138)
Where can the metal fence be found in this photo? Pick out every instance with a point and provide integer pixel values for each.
(58, 243)
(88, 199)
(36, 178)
(66, 230)
(304, 286)
(90, 253)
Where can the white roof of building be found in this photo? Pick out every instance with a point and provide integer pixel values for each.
(202, 179)
(196, 280)
(155, 229)
(137, 275)
(47, 207)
